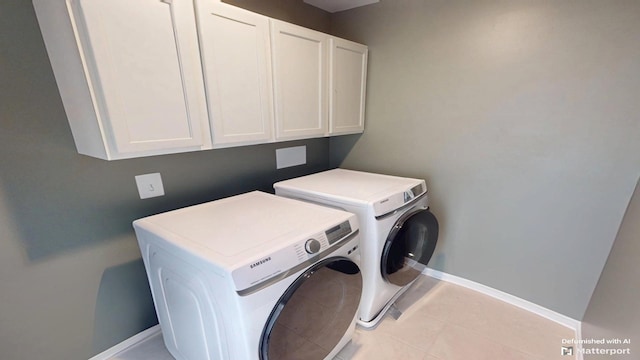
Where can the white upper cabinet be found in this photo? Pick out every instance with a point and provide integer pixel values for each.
(128, 75)
(300, 80)
(236, 59)
(347, 87)
(150, 77)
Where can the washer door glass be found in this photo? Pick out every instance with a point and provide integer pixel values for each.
(409, 247)
(314, 313)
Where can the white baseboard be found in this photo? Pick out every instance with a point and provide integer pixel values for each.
(118, 348)
(508, 298)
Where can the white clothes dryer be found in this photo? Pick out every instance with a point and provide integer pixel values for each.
(399, 233)
(253, 276)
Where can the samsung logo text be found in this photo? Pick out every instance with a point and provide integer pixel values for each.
(260, 262)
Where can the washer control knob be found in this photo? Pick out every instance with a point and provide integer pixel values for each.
(312, 246)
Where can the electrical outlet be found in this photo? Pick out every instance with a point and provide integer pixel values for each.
(149, 185)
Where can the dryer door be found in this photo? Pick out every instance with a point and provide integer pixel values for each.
(314, 313)
(409, 247)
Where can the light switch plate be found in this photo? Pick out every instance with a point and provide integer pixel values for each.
(149, 185)
(291, 156)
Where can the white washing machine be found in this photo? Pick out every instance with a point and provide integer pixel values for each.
(398, 232)
(253, 276)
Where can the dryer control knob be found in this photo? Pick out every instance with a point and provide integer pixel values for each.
(312, 246)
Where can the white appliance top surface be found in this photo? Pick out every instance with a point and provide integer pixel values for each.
(243, 226)
(349, 185)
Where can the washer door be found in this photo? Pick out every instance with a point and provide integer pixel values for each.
(314, 313)
(409, 247)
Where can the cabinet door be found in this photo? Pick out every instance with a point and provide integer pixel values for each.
(347, 87)
(236, 61)
(300, 68)
(143, 71)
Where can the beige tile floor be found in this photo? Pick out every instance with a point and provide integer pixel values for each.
(443, 321)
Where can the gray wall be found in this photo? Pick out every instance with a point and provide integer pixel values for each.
(293, 11)
(71, 282)
(523, 116)
(614, 309)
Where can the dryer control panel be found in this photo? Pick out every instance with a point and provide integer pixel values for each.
(399, 199)
(262, 271)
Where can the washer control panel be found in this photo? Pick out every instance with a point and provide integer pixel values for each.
(312, 246)
(322, 241)
(286, 259)
(338, 232)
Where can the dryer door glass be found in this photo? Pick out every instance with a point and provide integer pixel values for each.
(409, 247)
(314, 313)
